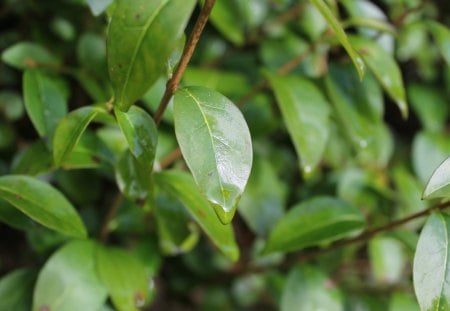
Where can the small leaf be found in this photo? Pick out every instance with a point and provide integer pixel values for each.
(42, 203)
(439, 184)
(216, 144)
(340, 33)
(182, 186)
(385, 69)
(25, 55)
(431, 264)
(69, 131)
(44, 101)
(69, 281)
(313, 222)
(133, 179)
(306, 113)
(34, 160)
(16, 290)
(124, 276)
(141, 37)
(441, 34)
(141, 134)
(308, 289)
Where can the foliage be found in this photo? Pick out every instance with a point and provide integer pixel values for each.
(224, 155)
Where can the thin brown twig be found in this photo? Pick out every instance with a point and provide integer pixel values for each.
(112, 212)
(189, 49)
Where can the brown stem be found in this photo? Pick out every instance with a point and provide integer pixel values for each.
(173, 83)
(170, 158)
(115, 205)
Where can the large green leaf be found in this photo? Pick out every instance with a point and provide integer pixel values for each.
(69, 281)
(69, 131)
(13, 217)
(340, 33)
(385, 69)
(141, 134)
(431, 264)
(216, 144)
(125, 277)
(182, 186)
(44, 101)
(306, 113)
(141, 37)
(439, 184)
(42, 203)
(441, 34)
(308, 289)
(16, 290)
(25, 55)
(313, 222)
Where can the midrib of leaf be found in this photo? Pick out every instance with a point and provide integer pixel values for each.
(211, 139)
(35, 204)
(139, 43)
(445, 262)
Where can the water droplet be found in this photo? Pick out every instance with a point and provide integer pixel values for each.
(307, 169)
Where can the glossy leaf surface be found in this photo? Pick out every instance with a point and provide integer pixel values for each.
(340, 33)
(313, 222)
(133, 179)
(439, 184)
(385, 69)
(25, 55)
(42, 203)
(307, 289)
(216, 144)
(44, 101)
(306, 113)
(124, 276)
(431, 264)
(69, 131)
(141, 134)
(69, 281)
(182, 186)
(16, 290)
(141, 37)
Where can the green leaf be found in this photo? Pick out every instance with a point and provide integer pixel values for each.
(313, 222)
(431, 264)
(13, 217)
(133, 179)
(306, 113)
(25, 55)
(44, 101)
(216, 144)
(69, 281)
(16, 290)
(33, 160)
(441, 34)
(439, 184)
(69, 131)
(387, 259)
(308, 289)
(42, 203)
(141, 134)
(124, 276)
(403, 301)
(12, 105)
(141, 37)
(226, 16)
(340, 33)
(385, 69)
(182, 186)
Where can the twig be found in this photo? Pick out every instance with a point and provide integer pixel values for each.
(170, 158)
(401, 19)
(173, 83)
(104, 231)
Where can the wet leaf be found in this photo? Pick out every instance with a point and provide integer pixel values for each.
(16, 290)
(182, 186)
(306, 113)
(308, 289)
(431, 264)
(141, 134)
(45, 101)
(141, 37)
(340, 33)
(315, 221)
(216, 144)
(385, 69)
(42, 203)
(124, 276)
(25, 55)
(69, 131)
(439, 184)
(133, 179)
(69, 281)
